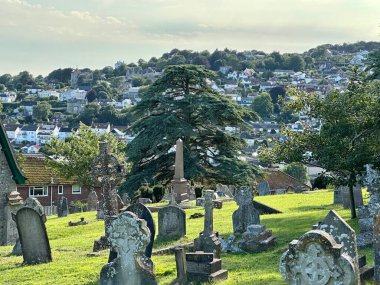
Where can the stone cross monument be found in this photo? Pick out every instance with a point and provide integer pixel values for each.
(207, 240)
(108, 170)
(179, 183)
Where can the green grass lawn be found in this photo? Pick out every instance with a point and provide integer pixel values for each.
(70, 245)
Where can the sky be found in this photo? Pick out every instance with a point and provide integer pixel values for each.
(43, 35)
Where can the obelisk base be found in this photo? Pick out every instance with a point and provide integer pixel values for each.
(180, 190)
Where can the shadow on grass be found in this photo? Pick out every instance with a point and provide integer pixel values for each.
(317, 208)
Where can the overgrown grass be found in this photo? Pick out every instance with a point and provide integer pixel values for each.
(70, 245)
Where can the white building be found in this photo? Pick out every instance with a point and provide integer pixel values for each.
(48, 93)
(73, 94)
(8, 97)
(12, 131)
(101, 128)
(46, 133)
(28, 133)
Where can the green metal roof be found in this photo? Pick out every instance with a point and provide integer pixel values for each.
(17, 174)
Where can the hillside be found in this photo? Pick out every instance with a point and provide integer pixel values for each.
(70, 245)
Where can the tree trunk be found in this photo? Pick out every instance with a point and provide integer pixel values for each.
(352, 201)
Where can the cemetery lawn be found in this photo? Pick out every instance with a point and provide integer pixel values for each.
(70, 245)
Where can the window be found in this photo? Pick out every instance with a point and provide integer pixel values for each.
(60, 189)
(38, 191)
(75, 189)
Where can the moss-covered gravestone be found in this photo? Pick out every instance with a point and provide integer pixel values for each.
(128, 235)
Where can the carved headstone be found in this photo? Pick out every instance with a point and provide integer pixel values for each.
(224, 189)
(144, 213)
(246, 214)
(207, 240)
(63, 207)
(92, 201)
(342, 233)
(33, 236)
(128, 235)
(317, 259)
(263, 188)
(171, 222)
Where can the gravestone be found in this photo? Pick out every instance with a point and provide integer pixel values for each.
(180, 186)
(263, 188)
(33, 236)
(171, 222)
(204, 267)
(246, 214)
(342, 233)
(358, 197)
(128, 235)
(144, 213)
(63, 207)
(257, 239)
(367, 213)
(207, 240)
(224, 189)
(338, 195)
(317, 259)
(92, 201)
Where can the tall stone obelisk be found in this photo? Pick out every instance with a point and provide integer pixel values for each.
(180, 186)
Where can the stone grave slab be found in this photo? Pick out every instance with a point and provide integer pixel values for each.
(171, 222)
(33, 236)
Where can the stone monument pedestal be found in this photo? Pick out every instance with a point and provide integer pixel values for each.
(203, 267)
(180, 190)
(257, 239)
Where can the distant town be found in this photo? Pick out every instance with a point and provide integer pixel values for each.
(39, 108)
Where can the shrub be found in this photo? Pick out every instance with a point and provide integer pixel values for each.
(146, 192)
(198, 191)
(158, 192)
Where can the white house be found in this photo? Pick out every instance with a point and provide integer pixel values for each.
(28, 133)
(7, 97)
(48, 93)
(101, 128)
(125, 103)
(28, 107)
(73, 94)
(46, 133)
(264, 86)
(12, 131)
(65, 132)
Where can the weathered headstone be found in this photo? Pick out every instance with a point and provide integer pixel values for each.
(257, 239)
(343, 234)
(246, 214)
(338, 195)
(63, 207)
(33, 236)
(171, 222)
(144, 201)
(128, 235)
(143, 212)
(92, 201)
(207, 240)
(204, 267)
(224, 189)
(180, 261)
(367, 213)
(358, 196)
(263, 188)
(180, 186)
(317, 259)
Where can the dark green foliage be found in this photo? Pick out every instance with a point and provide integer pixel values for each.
(158, 192)
(297, 170)
(198, 191)
(262, 105)
(60, 75)
(146, 192)
(181, 105)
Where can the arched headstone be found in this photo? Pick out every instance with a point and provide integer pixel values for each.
(246, 214)
(143, 212)
(171, 222)
(33, 236)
